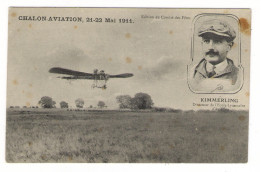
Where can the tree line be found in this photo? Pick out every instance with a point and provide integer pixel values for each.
(48, 102)
(139, 101)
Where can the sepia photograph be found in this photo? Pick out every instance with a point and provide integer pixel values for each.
(127, 85)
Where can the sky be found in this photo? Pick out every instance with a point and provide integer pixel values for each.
(157, 52)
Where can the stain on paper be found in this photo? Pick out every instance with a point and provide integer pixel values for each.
(128, 60)
(28, 104)
(222, 148)
(15, 82)
(128, 35)
(241, 117)
(244, 26)
(13, 14)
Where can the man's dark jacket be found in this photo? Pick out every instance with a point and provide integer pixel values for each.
(229, 73)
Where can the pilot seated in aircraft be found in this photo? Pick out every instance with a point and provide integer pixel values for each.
(102, 74)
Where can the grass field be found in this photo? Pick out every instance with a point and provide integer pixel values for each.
(65, 136)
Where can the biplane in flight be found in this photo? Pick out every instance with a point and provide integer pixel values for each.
(96, 76)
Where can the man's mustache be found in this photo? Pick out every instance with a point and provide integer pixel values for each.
(212, 52)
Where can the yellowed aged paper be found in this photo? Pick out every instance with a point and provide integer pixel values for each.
(128, 85)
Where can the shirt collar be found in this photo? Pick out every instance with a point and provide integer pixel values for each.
(219, 68)
(201, 68)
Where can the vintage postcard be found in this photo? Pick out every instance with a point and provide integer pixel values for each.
(128, 85)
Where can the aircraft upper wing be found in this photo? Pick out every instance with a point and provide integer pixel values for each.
(124, 75)
(59, 70)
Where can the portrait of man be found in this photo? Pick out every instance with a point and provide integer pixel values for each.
(215, 67)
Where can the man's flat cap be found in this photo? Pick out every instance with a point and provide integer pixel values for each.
(217, 27)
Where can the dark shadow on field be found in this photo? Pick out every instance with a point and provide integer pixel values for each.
(109, 136)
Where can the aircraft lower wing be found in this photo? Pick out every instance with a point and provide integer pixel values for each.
(124, 75)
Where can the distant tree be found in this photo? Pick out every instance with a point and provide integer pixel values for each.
(47, 102)
(64, 104)
(90, 106)
(79, 103)
(124, 101)
(142, 101)
(101, 104)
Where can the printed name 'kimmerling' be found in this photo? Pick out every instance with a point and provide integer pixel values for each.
(227, 100)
